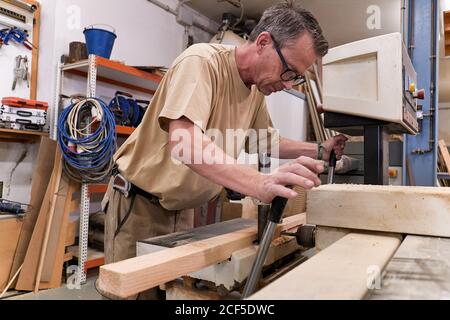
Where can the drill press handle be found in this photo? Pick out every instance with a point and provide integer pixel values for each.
(333, 160)
(276, 209)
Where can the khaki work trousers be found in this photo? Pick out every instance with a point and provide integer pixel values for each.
(133, 218)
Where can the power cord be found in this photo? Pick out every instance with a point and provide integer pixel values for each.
(87, 138)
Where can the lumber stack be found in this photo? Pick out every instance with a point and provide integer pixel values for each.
(41, 246)
(396, 209)
(9, 235)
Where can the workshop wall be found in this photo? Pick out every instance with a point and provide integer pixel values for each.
(16, 159)
(16, 162)
(146, 35)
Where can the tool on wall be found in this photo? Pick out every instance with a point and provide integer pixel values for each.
(17, 35)
(12, 207)
(21, 71)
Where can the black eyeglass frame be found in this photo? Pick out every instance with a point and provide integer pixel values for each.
(288, 74)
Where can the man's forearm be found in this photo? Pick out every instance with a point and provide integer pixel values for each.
(211, 162)
(290, 149)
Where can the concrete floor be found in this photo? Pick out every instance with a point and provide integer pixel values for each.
(86, 292)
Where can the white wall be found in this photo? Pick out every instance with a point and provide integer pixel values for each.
(146, 34)
(16, 163)
(289, 114)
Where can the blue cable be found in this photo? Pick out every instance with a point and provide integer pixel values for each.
(94, 164)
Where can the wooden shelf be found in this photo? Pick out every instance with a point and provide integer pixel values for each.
(117, 74)
(21, 135)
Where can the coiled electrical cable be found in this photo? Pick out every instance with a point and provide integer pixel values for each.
(87, 138)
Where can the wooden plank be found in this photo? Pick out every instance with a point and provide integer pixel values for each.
(35, 51)
(40, 179)
(71, 232)
(326, 236)
(49, 222)
(342, 271)
(419, 270)
(443, 152)
(55, 252)
(129, 277)
(406, 210)
(27, 276)
(201, 233)
(9, 237)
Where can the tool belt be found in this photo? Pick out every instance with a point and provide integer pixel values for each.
(128, 189)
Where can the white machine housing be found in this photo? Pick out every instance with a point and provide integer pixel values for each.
(372, 78)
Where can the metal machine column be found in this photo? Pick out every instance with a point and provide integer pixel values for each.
(376, 155)
(421, 150)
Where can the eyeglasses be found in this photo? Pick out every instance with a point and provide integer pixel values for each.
(288, 74)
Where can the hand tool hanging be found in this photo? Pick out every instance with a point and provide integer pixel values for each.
(17, 35)
(21, 72)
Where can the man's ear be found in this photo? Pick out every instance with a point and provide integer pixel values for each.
(263, 40)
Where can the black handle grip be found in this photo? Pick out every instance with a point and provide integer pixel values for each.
(24, 113)
(332, 161)
(277, 208)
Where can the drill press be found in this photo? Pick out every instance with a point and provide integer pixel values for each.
(369, 90)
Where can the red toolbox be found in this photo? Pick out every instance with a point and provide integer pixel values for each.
(24, 103)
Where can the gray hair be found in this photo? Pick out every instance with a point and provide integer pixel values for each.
(286, 22)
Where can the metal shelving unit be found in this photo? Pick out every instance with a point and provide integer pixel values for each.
(98, 69)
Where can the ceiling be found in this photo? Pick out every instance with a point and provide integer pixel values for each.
(342, 21)
(349, 15)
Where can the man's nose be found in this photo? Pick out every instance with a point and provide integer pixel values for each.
(287, 84)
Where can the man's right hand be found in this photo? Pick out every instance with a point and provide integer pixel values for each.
(301, 172)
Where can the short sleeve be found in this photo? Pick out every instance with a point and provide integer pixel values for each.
(189, 93)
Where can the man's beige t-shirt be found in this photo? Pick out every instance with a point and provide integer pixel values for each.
(203, 85)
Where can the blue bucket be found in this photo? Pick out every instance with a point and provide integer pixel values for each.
(99, 41)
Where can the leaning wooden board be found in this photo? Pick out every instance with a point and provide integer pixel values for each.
(129, 277)
(9, 236)
(341, 271)
(406, 210)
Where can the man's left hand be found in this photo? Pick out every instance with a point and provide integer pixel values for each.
(337, 143)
